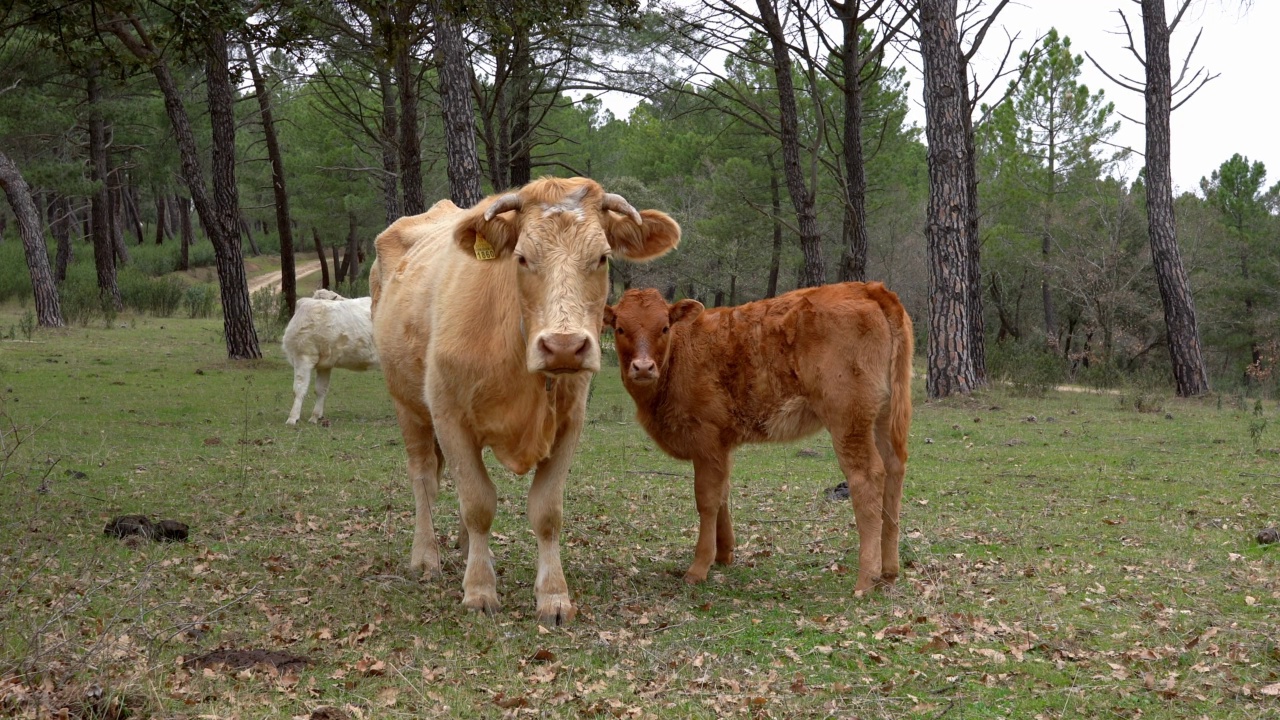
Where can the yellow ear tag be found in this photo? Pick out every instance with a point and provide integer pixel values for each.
(484, 251)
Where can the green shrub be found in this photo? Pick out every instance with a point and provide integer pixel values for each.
(79, 300)
(199, 300)
(268, 305)
(200, 254)
(1031, 370)
(154, 260)
(15, 279)
(159, 296)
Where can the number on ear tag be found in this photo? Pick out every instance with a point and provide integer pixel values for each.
(484, 251)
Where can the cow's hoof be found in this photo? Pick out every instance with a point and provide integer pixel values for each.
(291, 422)
(888, 578)
(693, 578)
(555, 611)
(487, 604)
(314, 420)
(724, 558)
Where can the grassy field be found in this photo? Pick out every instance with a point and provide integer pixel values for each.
(1067, 556)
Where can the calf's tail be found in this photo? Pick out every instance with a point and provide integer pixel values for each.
(900, 398)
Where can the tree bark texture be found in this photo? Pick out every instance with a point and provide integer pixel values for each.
(324, 265)
(410, 148)
(104, 254)
(1185, 354)
(186, 231)
(973, 242)
(814, 270)
(775, 256)
(950, 359)
(284, 225)
(60, 228)
(48, 310)
(455, 106)
(853, 263)
(237, 313)
(160, 217)
(389, 142)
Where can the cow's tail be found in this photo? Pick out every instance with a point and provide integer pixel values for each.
(900, 397)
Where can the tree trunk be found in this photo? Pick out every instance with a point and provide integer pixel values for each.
(242, 338)
(389, 142)
(188, 236)
(853, 263)
(814, 272)
(104, 259)
(1189, 372)
(410, 149)
(116, 205)
(950, 360)
(324, 266)
(455, 107)
(353, 248)
(973, 243)
(284, 225)
(520, 145)
(60, 227)
(48, 311)
(246, 228)
(133, 210)
(775, 257)
(160, 217)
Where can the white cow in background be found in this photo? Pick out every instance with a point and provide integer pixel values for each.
(327, 331)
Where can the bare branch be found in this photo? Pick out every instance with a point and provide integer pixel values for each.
(982, 32)
(1193, 92)
(1111, 77)
(1177, 18)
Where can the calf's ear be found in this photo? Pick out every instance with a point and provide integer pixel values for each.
(489, 230)
(684, 310)
(609, 317)
(654, 236)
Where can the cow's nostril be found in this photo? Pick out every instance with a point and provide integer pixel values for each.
(564, 351)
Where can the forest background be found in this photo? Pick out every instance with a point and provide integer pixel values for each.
(158, 139)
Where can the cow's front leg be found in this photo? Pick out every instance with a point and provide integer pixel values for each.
(864, 471)
(711, 493)
(724, 535)
(301, 381)
(546, 503)
(425, 464)
(477, 502)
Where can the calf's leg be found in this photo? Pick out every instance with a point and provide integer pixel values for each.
(864, 471)
(894, 473)
(724, 536)
(424, 477)
(710, 492)
(322, 390)
(301, 379)
(546, 503)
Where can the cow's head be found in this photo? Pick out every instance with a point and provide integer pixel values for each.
(560, 234)
(642, 322)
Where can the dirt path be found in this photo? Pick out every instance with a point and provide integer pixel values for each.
(272, 279)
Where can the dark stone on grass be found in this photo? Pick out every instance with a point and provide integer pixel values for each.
(328, 712)
(1268, 536)
(839, 492)
(233, 659)
(171, 531)
(127, 525)
(76, 475)
(808, 452)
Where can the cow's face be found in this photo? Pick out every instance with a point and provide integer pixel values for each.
(642, 322)
(560, 235)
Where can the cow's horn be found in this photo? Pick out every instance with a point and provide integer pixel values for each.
(619, 204)
(510, 201)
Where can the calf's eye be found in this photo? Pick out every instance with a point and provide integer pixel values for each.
(665, 329)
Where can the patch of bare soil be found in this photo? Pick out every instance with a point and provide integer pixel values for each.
(233, 659)
(140, 526)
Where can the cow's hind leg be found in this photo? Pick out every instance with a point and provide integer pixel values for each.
(301, 380)
(711, 493)
(724, 535)
(322, 390)
(863, 469)
(546, 503)
(477, 502)
(424, 477)
(894, 472)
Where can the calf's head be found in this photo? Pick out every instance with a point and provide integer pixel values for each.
(559, 234)
(642, 322)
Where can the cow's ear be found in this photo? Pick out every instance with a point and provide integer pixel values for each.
(654, 236)
(488, 239)
(684, 310)
(609, 317)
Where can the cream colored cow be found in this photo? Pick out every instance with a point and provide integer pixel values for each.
(487, 321)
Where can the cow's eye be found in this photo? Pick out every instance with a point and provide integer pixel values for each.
(618, 331)
(524, 262)
(665, 329)
(604, 259)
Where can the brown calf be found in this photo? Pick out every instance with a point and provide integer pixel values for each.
(707, 381)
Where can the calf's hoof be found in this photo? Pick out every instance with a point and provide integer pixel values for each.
(314, 419)
(555, 611)
(693, 577)
(291, 422)
(724, 558)
(487, 604)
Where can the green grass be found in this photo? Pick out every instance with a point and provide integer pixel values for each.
(1097, 562)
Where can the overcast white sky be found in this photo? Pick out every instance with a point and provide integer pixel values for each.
(1239, 112)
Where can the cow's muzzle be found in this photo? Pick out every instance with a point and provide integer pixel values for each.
(564, 352)
(643, 370)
